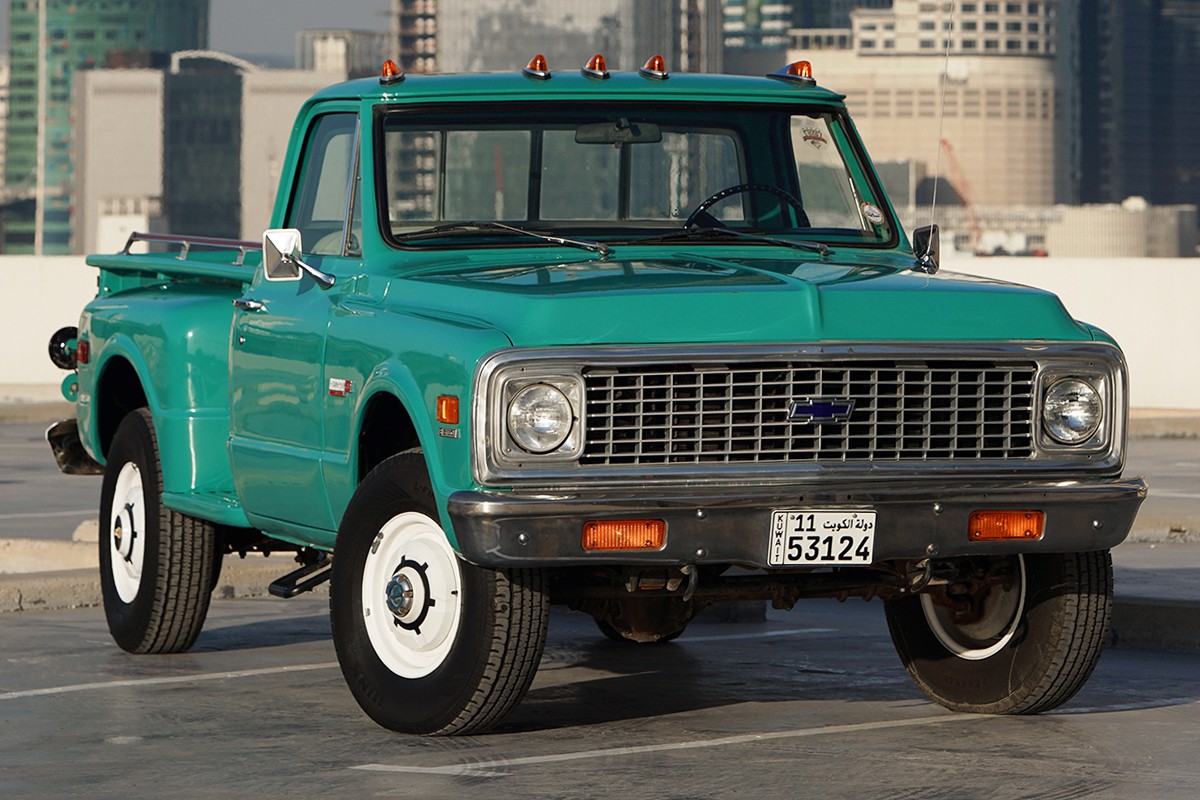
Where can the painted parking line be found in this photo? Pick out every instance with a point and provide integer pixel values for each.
(204, 676)
(91, 512)
(476, 767)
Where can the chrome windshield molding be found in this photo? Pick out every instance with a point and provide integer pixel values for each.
(1034, 363)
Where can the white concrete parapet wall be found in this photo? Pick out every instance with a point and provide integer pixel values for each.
(37, 297)
(1148, 304)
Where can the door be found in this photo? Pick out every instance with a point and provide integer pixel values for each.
(277, 380)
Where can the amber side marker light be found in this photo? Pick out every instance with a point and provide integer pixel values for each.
(995, 526)
(447, 409)
(624, 534)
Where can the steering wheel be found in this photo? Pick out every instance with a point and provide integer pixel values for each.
(701, 212)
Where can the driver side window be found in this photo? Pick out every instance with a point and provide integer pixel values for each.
(320, 207)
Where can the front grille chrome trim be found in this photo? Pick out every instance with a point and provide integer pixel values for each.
(678, 414)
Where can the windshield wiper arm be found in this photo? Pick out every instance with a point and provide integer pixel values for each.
(695, 232)
(451, 227)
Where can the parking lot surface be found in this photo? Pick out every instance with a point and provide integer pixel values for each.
(810, 703)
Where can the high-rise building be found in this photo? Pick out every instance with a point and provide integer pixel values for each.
(1138, 101)
(51, 41)
(196, 148)
(993, 100)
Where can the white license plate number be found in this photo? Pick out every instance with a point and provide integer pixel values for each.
(820, 537)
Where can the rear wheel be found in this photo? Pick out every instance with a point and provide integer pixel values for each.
(157, 566)
(1011, 635)
(428, 643)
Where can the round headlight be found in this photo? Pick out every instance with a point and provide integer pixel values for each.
(539, 418)
(1072, 411)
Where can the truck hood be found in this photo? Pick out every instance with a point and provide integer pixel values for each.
(685, 299)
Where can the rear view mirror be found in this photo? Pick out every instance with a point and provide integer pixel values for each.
(622, 131)
(281, 258)
(281, 252)
(927, 248)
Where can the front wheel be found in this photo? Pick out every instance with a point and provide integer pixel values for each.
(157, 566)
(1008, 635)
(428, 643)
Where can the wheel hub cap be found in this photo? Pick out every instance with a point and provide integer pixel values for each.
(400, 596)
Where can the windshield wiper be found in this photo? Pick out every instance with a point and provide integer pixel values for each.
(492, 227)
(709, 232)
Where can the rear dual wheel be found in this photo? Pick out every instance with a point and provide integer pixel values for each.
(1023, 642)
(428, 643)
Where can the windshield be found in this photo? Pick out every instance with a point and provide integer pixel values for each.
(626, 172)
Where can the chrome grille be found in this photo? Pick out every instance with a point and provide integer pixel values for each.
(737, 413)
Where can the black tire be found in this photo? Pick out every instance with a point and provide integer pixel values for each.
(1033, 649)
(156, 565)
(434, 645)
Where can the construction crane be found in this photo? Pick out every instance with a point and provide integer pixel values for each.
(963, 189)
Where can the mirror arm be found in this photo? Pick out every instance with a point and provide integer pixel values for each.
(323, 279)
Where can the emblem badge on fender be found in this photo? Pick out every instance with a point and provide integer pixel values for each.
(815, 410)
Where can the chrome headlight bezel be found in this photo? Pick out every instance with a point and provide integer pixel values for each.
(505, 450)
(1097, 438)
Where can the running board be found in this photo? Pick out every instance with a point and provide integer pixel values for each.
(294, 582)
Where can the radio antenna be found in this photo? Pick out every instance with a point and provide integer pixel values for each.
(937, 161)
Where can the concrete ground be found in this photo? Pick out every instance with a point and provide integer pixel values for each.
(1157, 573)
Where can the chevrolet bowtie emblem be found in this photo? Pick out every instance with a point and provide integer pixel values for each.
(820, 409)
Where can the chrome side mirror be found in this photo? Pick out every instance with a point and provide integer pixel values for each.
(281, 258)
(927, 247)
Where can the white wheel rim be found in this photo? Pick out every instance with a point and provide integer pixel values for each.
(127, 532)
(1002, 615)
(412, 630)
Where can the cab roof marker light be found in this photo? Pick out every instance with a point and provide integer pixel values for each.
(537, 68)
(596, 68)
(797, 72)
(390, 73)
(655, 67)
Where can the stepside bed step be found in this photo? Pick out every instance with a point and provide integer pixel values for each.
(299, 581)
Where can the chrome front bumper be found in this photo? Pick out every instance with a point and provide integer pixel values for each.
(731, 524)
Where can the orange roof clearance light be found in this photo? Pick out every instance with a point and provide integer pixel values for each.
(624, 534)
(390, 73)
(797, 71)
(998, 526)
(538, 68)
(596, 68)
(655, 67)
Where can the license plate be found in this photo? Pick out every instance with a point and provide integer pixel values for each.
(820, 537)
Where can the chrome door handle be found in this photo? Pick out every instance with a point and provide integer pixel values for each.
(249, 304)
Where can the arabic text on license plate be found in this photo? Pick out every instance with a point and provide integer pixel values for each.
(816, 537)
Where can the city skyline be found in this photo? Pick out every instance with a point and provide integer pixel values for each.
(246, 28)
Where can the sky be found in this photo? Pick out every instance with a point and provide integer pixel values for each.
(268, 27)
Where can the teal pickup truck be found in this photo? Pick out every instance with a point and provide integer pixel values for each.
(632, 342)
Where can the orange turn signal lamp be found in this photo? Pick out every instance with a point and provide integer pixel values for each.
(624, 534)
(999, 526)
(797, 71)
